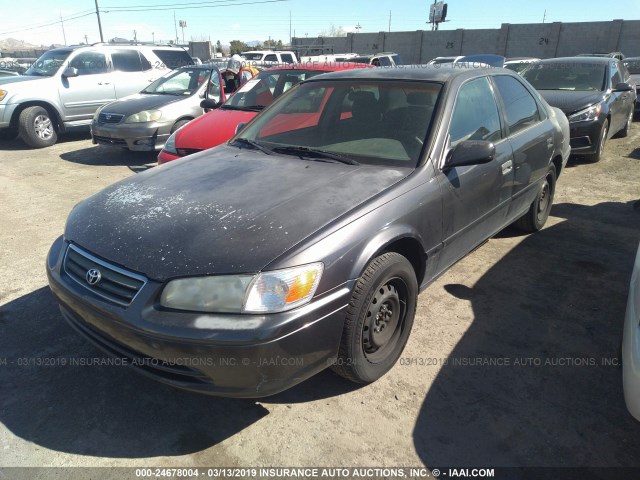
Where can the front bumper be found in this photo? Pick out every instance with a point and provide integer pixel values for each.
(584, 136)
(631, 344)
(248, 356)
(143, 137)
(6, 112)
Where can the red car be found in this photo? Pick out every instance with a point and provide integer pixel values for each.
(219, 125)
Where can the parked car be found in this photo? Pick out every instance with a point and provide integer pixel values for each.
(633, 67)
(304, 241)
(144, 121)
(384, 59)
(269, 57)
(220, 125)
(9, 73)
(518, 64)
(631, 344)
(444, 60)
(617, 55)
(61, 91)
(594, 92)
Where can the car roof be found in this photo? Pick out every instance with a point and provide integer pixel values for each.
(320, 66)
(584, 59)
(439, 73)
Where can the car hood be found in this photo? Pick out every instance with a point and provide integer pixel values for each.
(569, 101)
(20, 79)
(141, 101)
(211, 129)
(227, 210)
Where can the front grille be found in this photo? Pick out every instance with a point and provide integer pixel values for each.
(109, 117)
(109, 141)
(113, 283)
(183, 152)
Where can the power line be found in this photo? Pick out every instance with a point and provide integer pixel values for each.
(153, 9)
(57, 22)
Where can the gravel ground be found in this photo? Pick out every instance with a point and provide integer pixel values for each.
(512, 360)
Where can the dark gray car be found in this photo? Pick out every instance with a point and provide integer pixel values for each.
(304, 241)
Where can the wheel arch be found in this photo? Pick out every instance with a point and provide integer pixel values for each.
(53, 112)
(404, 241)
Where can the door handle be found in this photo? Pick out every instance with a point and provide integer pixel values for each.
(507, 167)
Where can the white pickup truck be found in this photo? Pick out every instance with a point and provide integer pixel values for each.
(266, 57)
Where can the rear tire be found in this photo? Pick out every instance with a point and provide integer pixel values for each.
(378, 319)
(36, 127)
(536, 217)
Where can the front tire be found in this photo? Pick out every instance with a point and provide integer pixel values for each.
(602, 140)
(179, 124)
(536, 217)
(36, 127)
(378, 319)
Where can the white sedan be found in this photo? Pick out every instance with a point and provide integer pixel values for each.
(631, 344)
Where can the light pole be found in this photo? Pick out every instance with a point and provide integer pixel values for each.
(182, 24)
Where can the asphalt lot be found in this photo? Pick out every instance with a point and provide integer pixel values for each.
(530, 325)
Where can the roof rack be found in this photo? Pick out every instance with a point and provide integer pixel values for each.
(135, 44)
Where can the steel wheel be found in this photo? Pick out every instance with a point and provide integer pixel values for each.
(543, 201)
(384, 320)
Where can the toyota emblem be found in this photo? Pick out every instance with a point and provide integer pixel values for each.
(108, 116)
(93, 276)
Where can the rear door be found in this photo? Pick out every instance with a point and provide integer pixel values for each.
(476, 198)
(93, 87)
(531, 136)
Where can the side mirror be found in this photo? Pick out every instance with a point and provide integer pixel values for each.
(210, 103)
(622, 87)
(470, 152)
(70, 72)
(240, 126)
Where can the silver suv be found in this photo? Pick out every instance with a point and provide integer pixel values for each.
(63, 88)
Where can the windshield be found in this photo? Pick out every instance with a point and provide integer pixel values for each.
(267, 86)
(179, 82)
(378, 123)
(48, 63)
(633, 66)
(577, 76)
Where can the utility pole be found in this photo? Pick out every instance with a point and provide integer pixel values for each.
(544, 17)
(389, 21)
(153, 36)
(86, 40)
(175, 26)
(135, 37)
(64, 35)
(434, 25)
(290, 38)
(99, 23)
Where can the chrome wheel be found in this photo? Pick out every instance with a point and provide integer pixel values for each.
(43, 127)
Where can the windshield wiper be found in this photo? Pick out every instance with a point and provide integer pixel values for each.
(315, 154)
(251, 108)
(253, 144)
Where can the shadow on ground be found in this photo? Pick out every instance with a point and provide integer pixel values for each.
(105, 411)
(559, 296)
(14, 143)
(100, 155)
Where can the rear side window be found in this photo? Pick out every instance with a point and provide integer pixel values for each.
(385, 62)
(475, 116)
(286, 58)
(521, 108)
(127, 61)
(174, 58)
(271, 58)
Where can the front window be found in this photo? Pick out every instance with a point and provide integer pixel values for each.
(48, 63)
(370, 122)
(579, 76)
(180, 82)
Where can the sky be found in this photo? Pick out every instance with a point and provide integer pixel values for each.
(38, 22)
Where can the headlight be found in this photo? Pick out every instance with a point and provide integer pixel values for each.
(170, 144)
(586, 115)
(97, 114)
(144, 116)
(266, 292)
(3, 93)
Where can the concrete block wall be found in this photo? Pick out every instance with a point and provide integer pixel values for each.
(542, 40)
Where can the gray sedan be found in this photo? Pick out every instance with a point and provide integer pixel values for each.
(144, 121)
